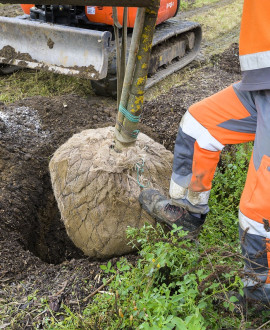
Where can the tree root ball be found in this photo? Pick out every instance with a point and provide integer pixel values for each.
(97, 188)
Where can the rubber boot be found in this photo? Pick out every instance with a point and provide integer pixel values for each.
(163, 211)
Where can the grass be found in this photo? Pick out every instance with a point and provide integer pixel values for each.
(175, 284)
(187, 4)
(220, 27)
(26, 83)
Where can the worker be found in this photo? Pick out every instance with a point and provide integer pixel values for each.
(239, 113)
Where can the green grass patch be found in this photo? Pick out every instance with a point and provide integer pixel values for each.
(220, 26)
(188, 4)
(26, 83)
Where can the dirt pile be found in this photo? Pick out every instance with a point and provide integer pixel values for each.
(229, 59)
(97, 188)
(31, 231)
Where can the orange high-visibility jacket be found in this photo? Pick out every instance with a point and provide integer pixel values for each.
(254, 45)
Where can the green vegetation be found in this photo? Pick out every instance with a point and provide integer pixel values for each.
(228, 184)
(177, 283)
(26, 83)
(220, 26)
(189, 4)
(172, 285)
(220, 29)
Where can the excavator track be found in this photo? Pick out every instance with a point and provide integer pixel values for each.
(90, 52)
(176, 43)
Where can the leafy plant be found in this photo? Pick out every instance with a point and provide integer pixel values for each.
(172, 285)
(178, 282)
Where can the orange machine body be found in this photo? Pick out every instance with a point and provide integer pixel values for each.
(168, 9)
(103, 15)
(26, 8)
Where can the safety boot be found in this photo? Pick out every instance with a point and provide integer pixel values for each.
(163, 211)
(243, 304)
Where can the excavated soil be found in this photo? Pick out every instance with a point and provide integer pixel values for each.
(35, 252)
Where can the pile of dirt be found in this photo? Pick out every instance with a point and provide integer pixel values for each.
(32, 235)
(229, 59)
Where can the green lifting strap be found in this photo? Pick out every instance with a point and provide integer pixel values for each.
(128, 115)
(134, 119)
(140, 169)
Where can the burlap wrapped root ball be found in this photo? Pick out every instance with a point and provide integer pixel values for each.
(97, 189)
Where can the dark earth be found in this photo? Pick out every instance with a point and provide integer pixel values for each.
(36, 255)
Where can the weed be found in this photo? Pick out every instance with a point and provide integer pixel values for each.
(171, 286)
(228, 184)
(26, 83)
(188, 4)
(180, 283)
(177, 282)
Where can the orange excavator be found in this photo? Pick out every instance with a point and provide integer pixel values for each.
(80, 40)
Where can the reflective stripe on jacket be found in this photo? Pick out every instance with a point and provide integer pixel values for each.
(254, 45)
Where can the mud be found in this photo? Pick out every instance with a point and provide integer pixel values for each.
(228, 60)
(30, 132)
(10, 54)
(34, 247)
(50, 43)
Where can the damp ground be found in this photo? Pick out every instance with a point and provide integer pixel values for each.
(38, 262)
(36, 253)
